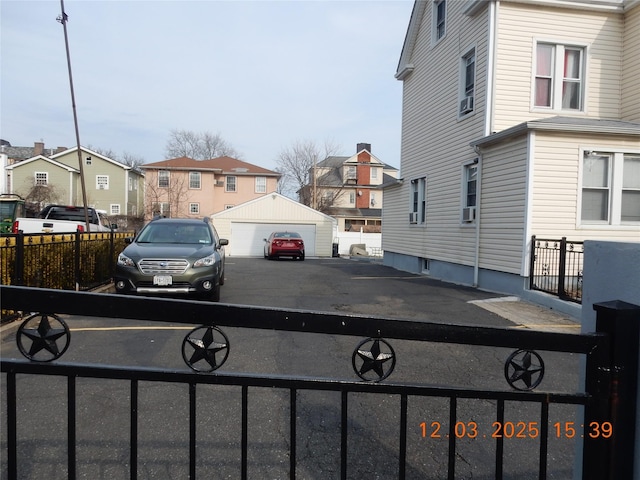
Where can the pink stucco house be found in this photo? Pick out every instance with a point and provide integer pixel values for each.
(184, 187)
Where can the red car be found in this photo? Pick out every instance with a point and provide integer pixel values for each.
(284, 244)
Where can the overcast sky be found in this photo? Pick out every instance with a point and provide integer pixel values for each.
(262, 74)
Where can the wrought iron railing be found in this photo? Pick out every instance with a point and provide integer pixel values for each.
(557, 267)
(44, 337)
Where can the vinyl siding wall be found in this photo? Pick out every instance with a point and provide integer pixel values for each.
(503, 206)
(631, 66)
(435, 142)
(61, 180)
(555, 193)
(520, 26)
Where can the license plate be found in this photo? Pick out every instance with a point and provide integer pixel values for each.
(162, 280)
(288, 244)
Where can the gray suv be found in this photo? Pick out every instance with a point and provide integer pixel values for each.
(172, 256)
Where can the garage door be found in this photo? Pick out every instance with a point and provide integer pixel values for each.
(247, 238)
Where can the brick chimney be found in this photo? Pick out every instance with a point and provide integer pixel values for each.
(38, 148)
(60, 150)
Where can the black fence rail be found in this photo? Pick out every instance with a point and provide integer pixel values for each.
(609, 397)
(556, 267)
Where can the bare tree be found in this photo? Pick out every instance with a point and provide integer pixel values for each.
(199, 146)
(133, 161)
(170, 201)
(39, 196)
(297, 164)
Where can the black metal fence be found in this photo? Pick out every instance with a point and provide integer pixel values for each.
(556, 267)
(609, 397)
(73, 261)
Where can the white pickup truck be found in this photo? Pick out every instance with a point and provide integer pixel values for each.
(64, 219)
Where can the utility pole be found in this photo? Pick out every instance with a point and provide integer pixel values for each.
(63, 20)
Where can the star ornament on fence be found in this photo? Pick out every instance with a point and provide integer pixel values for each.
(43, 337)
(373, 359)
(524, 370)
(205, 349)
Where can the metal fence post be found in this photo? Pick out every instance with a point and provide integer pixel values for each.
(19, 266)
(562, 266)
(612, 380)
(76, 255)
(532, 262)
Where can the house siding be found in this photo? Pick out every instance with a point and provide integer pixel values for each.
(631, 70)
(61, 180)
(555, 193)
(503, 206)
(521, 25)
(435, 142)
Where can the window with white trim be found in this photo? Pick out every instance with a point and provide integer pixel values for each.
(114, 209)
(42, 178)
(418, 210)
(374, 173)
(163, 178)
(261, 184)
(470, 192)
(610, 188)
(194, 208)
(559, 79)
(352, 198)
(439, 20)
(194, 180)
(102, 182)
(468, 82)
(231, 185)
(87, 161)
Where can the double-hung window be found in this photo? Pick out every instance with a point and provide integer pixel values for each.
(102, 182)
(231, 184)
(114, 209)
(195, 180)
(163, 179)
(610, 188)
(261, 184)
(42, 178)
(468, 81)
(470, 193)
(559, 79)
(439, 20)
(418, 209)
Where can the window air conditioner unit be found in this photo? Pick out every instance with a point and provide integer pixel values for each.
(413, 217)
(468, 214)
(466, 105)
(219, 183)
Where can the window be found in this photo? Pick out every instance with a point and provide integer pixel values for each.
(102, 182)
(468, 76)
(261, 184)
(130, 183)
(352, 197)
(231, 184)
(163, 179)
(351, 173)
(42, 178)
(162, 210)
(610, 188)
(418, 211)
(194, 180)
(194, 208)
(559, 77)
(115, 209)
(374, 173)
(87, 161)
(373, 200)
(470, 192)
(439, 19)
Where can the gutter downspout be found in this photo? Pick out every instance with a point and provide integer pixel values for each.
(488, 125)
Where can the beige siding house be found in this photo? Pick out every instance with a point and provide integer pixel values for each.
(519, 119)
(184, 187)
(110, 186)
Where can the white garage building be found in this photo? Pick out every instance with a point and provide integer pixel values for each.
(248, 224)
